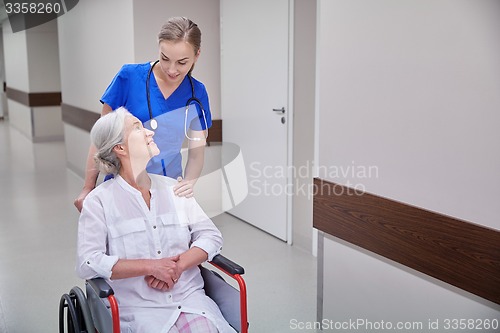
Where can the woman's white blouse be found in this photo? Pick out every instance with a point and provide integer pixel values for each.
(116, 223)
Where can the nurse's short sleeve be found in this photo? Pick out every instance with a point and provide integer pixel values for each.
(117, 91)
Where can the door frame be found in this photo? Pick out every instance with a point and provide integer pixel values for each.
(290, 142)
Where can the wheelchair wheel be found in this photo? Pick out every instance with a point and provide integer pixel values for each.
(72, 320)
(77, 314)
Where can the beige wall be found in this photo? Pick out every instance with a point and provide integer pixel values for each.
(409, 88)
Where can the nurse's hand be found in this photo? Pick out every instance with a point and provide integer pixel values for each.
(79, 200)
(184, 188)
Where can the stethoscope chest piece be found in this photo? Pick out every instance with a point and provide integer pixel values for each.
(154, 124)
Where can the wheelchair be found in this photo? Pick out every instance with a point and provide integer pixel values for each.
(97, 311)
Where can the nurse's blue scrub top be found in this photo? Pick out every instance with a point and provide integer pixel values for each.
(128, 89)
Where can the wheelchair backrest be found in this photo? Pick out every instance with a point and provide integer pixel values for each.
(224, 295)
(99, 308)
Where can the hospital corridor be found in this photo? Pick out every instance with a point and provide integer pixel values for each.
(38, 226)
(351, 160)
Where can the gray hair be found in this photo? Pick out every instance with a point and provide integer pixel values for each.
(107, 132)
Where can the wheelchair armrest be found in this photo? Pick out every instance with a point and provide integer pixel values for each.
(227, 265)
(101, 287)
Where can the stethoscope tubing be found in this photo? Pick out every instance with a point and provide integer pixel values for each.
(191, 100)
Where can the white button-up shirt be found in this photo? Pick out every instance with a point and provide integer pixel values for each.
(116, 223)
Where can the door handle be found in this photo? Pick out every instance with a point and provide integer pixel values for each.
(282, 110)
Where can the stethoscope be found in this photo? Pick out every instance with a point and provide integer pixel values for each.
(192, 100)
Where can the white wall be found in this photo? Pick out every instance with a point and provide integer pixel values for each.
(20, 117)
(43, 58)
(361, 285)
(410, 89)
(44, 76)
(95, 39)
(32, 65)
(17, 77)
(32, 58)
(3, 96)
(303, 107)
(16, 56)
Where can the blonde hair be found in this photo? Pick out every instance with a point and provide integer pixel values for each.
(181, 29)
(107, 132)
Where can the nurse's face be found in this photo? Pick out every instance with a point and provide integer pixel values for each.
(140, 144)
(176, 59)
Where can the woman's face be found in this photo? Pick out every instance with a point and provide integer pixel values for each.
(176, 59)
(140, 143)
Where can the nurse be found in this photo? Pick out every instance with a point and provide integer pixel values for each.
(170, 87)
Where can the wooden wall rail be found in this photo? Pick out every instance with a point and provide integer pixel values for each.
(85, 119)
(78, 117)
(457, 252)
(215, 132)
(34, 99)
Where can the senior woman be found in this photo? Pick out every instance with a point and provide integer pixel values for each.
(146, 241)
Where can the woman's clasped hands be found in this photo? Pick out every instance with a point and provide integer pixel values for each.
(166, 273)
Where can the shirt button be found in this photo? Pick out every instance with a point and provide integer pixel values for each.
(169, 296)
(179, 307)
(88, 262)
(154, 227)
(159, 252)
